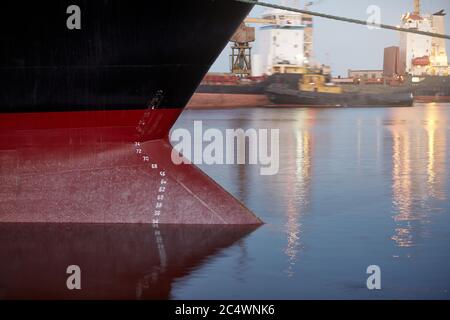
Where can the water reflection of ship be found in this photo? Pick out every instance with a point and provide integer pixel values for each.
(116, 261)
(295, 169)
(298, 193)
(417, 179)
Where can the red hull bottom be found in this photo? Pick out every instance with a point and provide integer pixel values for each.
(99, 174)
(19, 130)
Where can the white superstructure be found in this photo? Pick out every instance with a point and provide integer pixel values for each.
(419, 54)
(279, 43)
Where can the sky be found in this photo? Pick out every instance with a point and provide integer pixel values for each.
(346, 46)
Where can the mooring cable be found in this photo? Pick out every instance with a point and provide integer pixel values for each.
(350, 20)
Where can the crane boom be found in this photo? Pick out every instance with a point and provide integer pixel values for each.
(260, 20)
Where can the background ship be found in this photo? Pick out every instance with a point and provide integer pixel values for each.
(86, 108)
(316, 90)
(430, 88)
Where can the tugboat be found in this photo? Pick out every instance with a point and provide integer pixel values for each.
(316, 90)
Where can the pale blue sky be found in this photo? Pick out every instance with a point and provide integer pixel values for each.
(348, 46)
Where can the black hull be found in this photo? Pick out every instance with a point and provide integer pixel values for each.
(430, 86)
(124, 53)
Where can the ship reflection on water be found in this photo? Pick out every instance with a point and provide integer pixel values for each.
(418, 174)
(116, 261)
(297, 194)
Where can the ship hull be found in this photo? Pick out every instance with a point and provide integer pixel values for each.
(37, 129)
(227, 100)
(89, 180)
(228, 91)
(123, 53)
(235, 94)
(288, 97)
(428, 89)
(433, 88)
(85, 114)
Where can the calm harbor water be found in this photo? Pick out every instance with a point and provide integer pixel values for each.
(356, 187)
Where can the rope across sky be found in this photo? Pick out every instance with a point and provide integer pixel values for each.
(350, 20)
